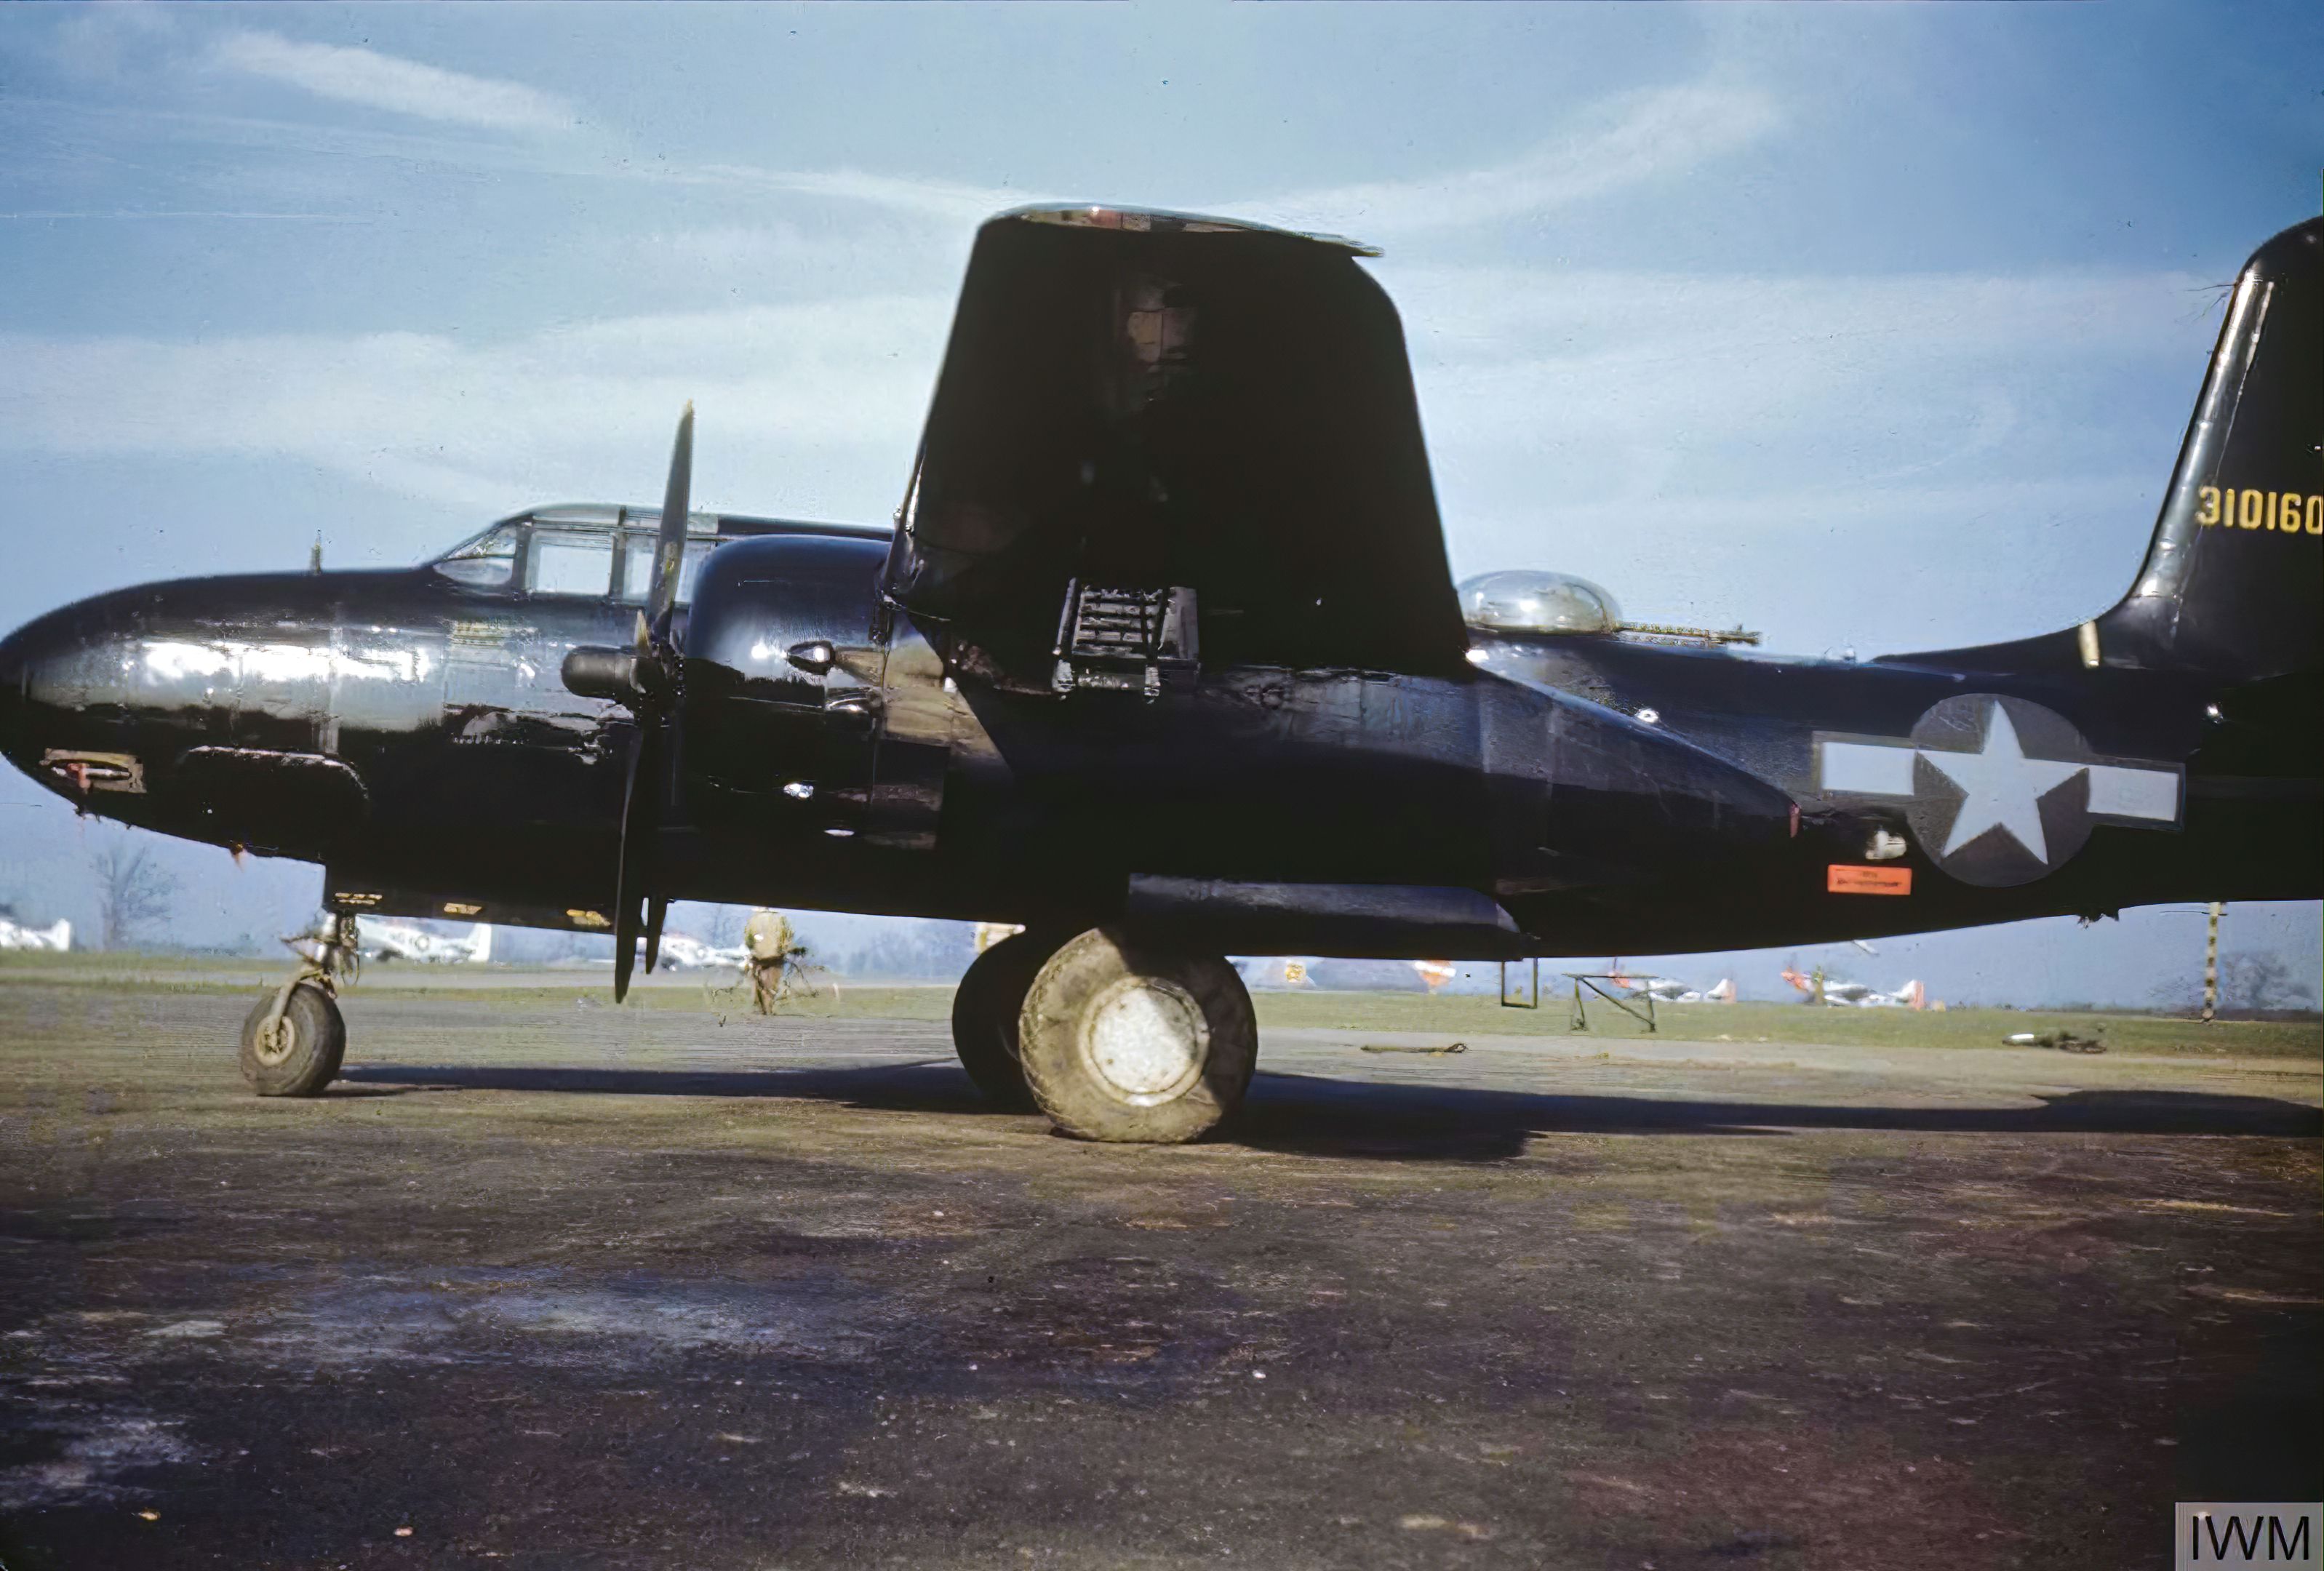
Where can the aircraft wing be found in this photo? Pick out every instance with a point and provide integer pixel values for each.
(1157, 403)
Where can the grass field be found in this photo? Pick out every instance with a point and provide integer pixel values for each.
(1451, 1016)
(99, 961)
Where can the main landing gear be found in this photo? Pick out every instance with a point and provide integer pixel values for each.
(1113, 1040)
(294, 1041)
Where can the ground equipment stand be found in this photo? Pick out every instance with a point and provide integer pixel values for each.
(1604, 985)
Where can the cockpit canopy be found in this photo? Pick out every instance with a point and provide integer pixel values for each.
(1526, 601)
(599, 551)
(592, 552)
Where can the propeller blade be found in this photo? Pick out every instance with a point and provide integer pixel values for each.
(626, 947)
(632, 863)
(651, 678)
(656, 908)
(670, 548)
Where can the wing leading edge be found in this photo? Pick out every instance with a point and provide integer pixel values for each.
(1152, 403)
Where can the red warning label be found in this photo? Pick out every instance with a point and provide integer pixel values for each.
(1849, 879)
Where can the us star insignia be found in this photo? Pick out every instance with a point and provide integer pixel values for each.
(1998, 790)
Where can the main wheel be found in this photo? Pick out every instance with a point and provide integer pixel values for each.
(301, 1052)
(984, 1015)
(1123, 1043)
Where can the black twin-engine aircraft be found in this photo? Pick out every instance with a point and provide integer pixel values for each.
(1163, 661)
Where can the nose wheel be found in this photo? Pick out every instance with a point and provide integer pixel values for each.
(294, 1047)
(294, 1041)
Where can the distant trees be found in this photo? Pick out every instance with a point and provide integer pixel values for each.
(2256, 980)
(937, 951)
(723, 928)
(2251, 982)
(133, 891)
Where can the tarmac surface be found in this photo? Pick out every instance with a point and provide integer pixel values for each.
(579, 1287)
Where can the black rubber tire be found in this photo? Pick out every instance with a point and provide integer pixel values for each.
(1077, 999)
(984, 1015)
(310, 1060)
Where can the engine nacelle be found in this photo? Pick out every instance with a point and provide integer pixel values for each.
(783, 673)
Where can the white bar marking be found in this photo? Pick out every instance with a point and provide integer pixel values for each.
(1866, 770)
(2121, 792)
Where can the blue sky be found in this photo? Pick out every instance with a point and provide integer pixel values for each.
(1872, 326)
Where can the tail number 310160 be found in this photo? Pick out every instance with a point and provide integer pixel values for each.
(2285, 510)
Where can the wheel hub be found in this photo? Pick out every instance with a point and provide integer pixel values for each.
(276, 1039)
(1147, 1040)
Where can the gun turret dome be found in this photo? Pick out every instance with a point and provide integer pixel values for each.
(1525, 601)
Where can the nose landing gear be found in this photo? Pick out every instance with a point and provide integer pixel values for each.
(294, 1041)
(1113, 1040)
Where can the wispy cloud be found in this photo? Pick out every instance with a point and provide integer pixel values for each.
(1675, 357)
(1671, 436)
(1663, 433)
(1618, 144)
(102, 130)
(1624, 142)
(796, 402)
(926, 197)
(97, 42)
(780, 262)
(383, 81)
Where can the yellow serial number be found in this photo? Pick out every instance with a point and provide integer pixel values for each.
(2287, 511)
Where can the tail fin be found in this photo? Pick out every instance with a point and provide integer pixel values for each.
(2233, 582)
(2232, 585)
(1724, 993)
(480, 944)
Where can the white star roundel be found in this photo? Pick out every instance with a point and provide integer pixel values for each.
(2003, 788)
(1997, 790)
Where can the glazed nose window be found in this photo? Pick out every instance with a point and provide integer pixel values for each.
(488, 562)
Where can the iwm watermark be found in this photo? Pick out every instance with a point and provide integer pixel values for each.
(2282, 1535)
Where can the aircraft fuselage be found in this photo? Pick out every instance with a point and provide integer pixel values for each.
(413, 734)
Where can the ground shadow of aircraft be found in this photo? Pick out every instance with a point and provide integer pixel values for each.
(1309, 1115)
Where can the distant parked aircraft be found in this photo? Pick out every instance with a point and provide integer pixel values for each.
(56, 936)
(1821, 989)
(681, 952)
(381, 939)
(1670, 989)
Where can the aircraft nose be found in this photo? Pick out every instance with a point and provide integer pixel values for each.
(46, 671)
(17, 658)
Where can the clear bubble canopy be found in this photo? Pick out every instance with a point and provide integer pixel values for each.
(1528, 602)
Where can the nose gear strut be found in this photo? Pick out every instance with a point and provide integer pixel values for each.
(327, 955)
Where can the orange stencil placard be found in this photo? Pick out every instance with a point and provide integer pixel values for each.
(1849, 879)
